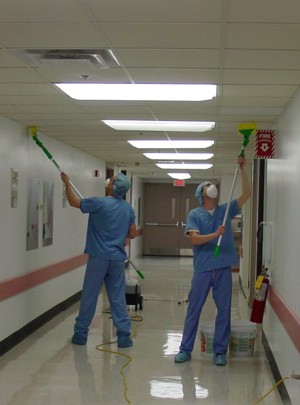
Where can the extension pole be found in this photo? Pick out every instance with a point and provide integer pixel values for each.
(217, 248)
(138, 271)
(33, 133)
(246, 130)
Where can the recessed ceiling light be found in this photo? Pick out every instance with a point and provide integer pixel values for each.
(180, 144)
(192, 166)
(179, 176)
(175, 126)
(166, 161)
(178, 156)
(142, 92)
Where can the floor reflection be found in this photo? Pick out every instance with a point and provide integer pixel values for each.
(46, 369)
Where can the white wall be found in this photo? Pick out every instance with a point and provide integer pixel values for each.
(18, 151)
(136, 196)
(282, 210)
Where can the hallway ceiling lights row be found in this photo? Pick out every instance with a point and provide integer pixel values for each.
(184, 166)
(154, 92)
(180, 176)
(169, 144)
(176, 126)
(178, 144)
(178, 156)
(138, 92)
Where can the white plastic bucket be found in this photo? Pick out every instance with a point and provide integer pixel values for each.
(207, 331)
(242, 339)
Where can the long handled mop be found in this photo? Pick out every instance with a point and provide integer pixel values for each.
(137, 270)
(246, 130)
(33, 133)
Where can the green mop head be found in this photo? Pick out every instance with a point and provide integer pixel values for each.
(33, 133)
(246, 130)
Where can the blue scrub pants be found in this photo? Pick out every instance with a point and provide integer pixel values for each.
(220, 281)
(112, 273)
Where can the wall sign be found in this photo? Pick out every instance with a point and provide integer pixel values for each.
(178, 183)
(265, 144)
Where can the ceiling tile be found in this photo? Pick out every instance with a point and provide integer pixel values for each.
(249, 49)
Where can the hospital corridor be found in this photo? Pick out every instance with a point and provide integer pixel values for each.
(45, 368)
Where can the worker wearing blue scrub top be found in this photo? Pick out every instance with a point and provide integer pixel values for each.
(204, 225)
(111, 221)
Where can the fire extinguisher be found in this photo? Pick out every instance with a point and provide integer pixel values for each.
(260, 298)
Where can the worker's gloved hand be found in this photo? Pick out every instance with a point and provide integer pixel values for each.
(65, 178)
(221, 230)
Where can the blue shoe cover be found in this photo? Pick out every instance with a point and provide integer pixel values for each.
(182, 357)
(78, 340)
(124, 341)
(220, 359)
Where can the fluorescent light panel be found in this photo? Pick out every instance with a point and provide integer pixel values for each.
(175, 126)
(179, 176)
(178, 156)
(139, 92)
(184, 166)
(168, 144)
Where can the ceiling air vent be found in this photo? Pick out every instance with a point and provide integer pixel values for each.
(99, 58)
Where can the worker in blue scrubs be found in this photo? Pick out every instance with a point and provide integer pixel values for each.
(204, 225)
(111, 221)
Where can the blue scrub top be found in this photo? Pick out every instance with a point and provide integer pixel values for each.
(199, 219)
(109, 221)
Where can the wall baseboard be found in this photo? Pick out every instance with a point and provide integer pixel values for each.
(273, 365)
(242, 288)
(275, 371)
(17, 337)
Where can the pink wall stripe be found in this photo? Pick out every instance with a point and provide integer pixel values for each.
(16, 285)
(287, 317)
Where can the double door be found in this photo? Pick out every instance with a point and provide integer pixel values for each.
(165, 212)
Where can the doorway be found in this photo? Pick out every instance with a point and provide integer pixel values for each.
(165, 211)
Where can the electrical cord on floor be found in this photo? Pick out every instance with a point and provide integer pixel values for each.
(183, 302)
(159, 300)
(134, 318)
(293, 375)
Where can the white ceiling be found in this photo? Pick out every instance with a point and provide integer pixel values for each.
(249, 48)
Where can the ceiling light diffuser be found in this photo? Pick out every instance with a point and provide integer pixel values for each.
(179, 176)
(192, 166)
(179, 156)
(139, 92)
(175, 126)
(168, 144)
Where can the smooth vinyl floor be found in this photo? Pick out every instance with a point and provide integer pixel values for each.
(46, 369)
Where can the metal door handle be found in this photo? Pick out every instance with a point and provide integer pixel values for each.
(160, 224)
(182, 225)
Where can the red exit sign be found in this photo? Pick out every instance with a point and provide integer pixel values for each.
(178, 183)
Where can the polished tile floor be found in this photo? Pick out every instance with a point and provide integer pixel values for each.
(47, 369)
